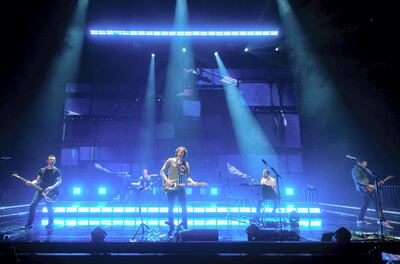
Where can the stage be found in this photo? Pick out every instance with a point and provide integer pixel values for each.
(71, 238)
(116, 108)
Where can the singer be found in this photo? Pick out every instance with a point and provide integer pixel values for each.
(178, 171)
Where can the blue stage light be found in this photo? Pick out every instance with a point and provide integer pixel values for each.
(153, 55)
(246, 49)
(183, 49)
(94, 209)
(214, 191)
(289, 191)
(216, 53)
(83, 210)
(315, 210)
(76, 190)
(102, 191)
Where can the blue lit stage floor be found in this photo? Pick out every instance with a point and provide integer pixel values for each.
(74, 222)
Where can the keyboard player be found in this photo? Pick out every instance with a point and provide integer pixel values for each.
(269, 191)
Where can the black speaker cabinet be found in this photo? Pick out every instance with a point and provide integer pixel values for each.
(273, 235)
(199, 235)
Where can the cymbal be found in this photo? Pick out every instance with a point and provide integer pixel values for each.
(123, 174)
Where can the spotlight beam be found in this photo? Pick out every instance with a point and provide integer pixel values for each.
(249, 135)
(147, 131)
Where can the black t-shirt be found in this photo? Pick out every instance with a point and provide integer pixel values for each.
(48, 176)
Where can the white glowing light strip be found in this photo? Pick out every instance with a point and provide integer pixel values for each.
(194, 210)
(196, 33)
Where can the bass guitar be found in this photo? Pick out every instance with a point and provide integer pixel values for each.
(169, 188)
(50, 196)
(371, 189)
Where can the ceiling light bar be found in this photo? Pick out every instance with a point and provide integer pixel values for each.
(172, 33)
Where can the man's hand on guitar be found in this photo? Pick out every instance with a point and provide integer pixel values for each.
(370, 187)
(169, 182)
(29, 183)
(47, 190)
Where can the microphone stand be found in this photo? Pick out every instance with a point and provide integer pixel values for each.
(277, 176)
(379, 210)
(142, 226)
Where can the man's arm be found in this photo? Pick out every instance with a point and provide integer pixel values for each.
(188, 173)
(138, 183)
(34, 181)
(58, 182)
(164, 169)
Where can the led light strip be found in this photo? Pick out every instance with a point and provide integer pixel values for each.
(207, 210)
(172, 33)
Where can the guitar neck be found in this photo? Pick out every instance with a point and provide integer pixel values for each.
(25, 180)
(184, 184)
(385, 179)
(200, 184)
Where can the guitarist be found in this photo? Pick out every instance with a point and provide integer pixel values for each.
(178, 171)
(48, 178)
(361, 176)
(268, 190)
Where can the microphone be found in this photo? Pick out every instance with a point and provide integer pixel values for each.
(5, 158)
(264, 161)
(350, 157)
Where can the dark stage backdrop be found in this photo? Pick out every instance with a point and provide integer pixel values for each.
(102, 124)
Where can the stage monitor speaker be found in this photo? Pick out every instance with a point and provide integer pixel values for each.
(327, 237)
(98, 234)
(342, 235)
(256, 234)
(199, 235)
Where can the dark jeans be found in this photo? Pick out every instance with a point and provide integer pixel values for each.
(367, 197)
(32, 209)
(180, 193)
(260, 202)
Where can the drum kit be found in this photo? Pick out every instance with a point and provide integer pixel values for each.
(132, 187)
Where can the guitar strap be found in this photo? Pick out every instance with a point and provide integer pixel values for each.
(181, 170)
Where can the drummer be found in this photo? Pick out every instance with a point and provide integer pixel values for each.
(144, 182)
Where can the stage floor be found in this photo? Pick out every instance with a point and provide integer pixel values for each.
(231, 227)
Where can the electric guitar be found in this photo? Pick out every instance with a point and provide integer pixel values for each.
(169, 188)
(371, 189)
(50, 196)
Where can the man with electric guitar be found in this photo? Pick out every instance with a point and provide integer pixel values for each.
(361, 176)
(48, 179)
(178, 176)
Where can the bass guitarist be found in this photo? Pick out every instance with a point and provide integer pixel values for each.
(178, 172)
(361, 176)
(48, 178)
